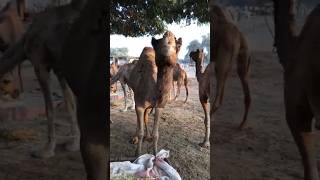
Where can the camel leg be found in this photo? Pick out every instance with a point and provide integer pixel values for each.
(206, 142)
(125, 97)
(43, 77)
(178, 90)
(155, 131)
(146, 121)
(243, 72)
(300, 125)
(20, 78)
(93, 142)
(132, 98)
(140, 118)
(186, 86)
(69, 100)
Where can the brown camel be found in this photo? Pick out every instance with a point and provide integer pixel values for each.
(114, 68)
(123, 75)
(204, 90)
(151, 81)
(11, 29)
(228, 45)
(42, 45)
(179, 76)
(85, 48)
(299, 55)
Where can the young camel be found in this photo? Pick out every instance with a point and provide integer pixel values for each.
(123, 75)
(228, 45)
(151, 81)
(299, 56)
(179, 76)
(204, 91)
(42, 45)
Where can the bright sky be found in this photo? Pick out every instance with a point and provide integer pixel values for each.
(187, 33)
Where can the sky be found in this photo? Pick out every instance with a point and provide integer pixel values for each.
(187, 33)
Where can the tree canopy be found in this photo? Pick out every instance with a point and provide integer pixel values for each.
(195, 44)
(119, 52)
(149, 17)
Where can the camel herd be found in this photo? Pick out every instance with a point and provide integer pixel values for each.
(152, 77)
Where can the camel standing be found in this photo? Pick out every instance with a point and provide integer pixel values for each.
(42, 45)
(204, 91)
(299, 56)
(179, 76)
(123, 75)
(151, 81)
(228, 45)
(114, 68)
(84, 49)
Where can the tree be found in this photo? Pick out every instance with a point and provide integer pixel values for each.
(205, 44)
(193, 45)
(149, 17)
(119, 52)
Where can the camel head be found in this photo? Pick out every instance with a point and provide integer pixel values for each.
(166, 49)
(197, 56)
(114, 67)
(8, 87)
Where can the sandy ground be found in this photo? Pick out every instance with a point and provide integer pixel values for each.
(28, 135)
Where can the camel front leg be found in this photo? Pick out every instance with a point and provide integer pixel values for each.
(69, 100)
(206, 142)
(132, 99)
(140, 118)
(146, 121)
(155, 132)
(178, 90)
(48, 151)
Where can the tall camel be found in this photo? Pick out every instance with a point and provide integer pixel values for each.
(42, 46)
(204, 90)
(179, 76)
(85, 48)
(123, 75)
(151, 81)
(11, 30)
(299, 56)
(228, 45)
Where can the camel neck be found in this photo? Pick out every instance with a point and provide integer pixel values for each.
(164, 83)
(199, 72)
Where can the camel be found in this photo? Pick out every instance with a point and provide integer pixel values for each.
(41, 45)
(299, 56)
(179, 76)
(114, 68)
(11, 29)
(151, 81)
(228, 45)
(123, 75)
(85, 48)
(204, 90)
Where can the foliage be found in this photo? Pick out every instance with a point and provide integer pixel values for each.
(118, 52)
(195, 44)
(149, 17)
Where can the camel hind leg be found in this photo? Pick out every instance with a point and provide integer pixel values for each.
(243, 65)
(125, 97)
(179, 84)
(140, 131)
(206, 142)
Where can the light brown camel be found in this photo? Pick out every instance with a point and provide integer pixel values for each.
(204, 90)
(180, 77)
(123, 75)
(42, 45)
(228, 45)
(300, 55)
(114, 68)
(11, 30)
(151, 81)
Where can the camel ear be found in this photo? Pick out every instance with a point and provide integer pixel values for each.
(154, 42)
(179, 42)
(198, 50)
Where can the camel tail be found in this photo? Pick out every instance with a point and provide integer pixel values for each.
(186, 86)
(12, 57)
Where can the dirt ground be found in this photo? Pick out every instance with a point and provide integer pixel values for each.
(29, 133)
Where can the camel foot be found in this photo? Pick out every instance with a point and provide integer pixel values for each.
(73, 145)
(205, 145)
(134, 140)
(43, 153)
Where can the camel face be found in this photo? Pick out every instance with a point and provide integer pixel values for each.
(166, 49)
(8, 87)
(197, 56)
